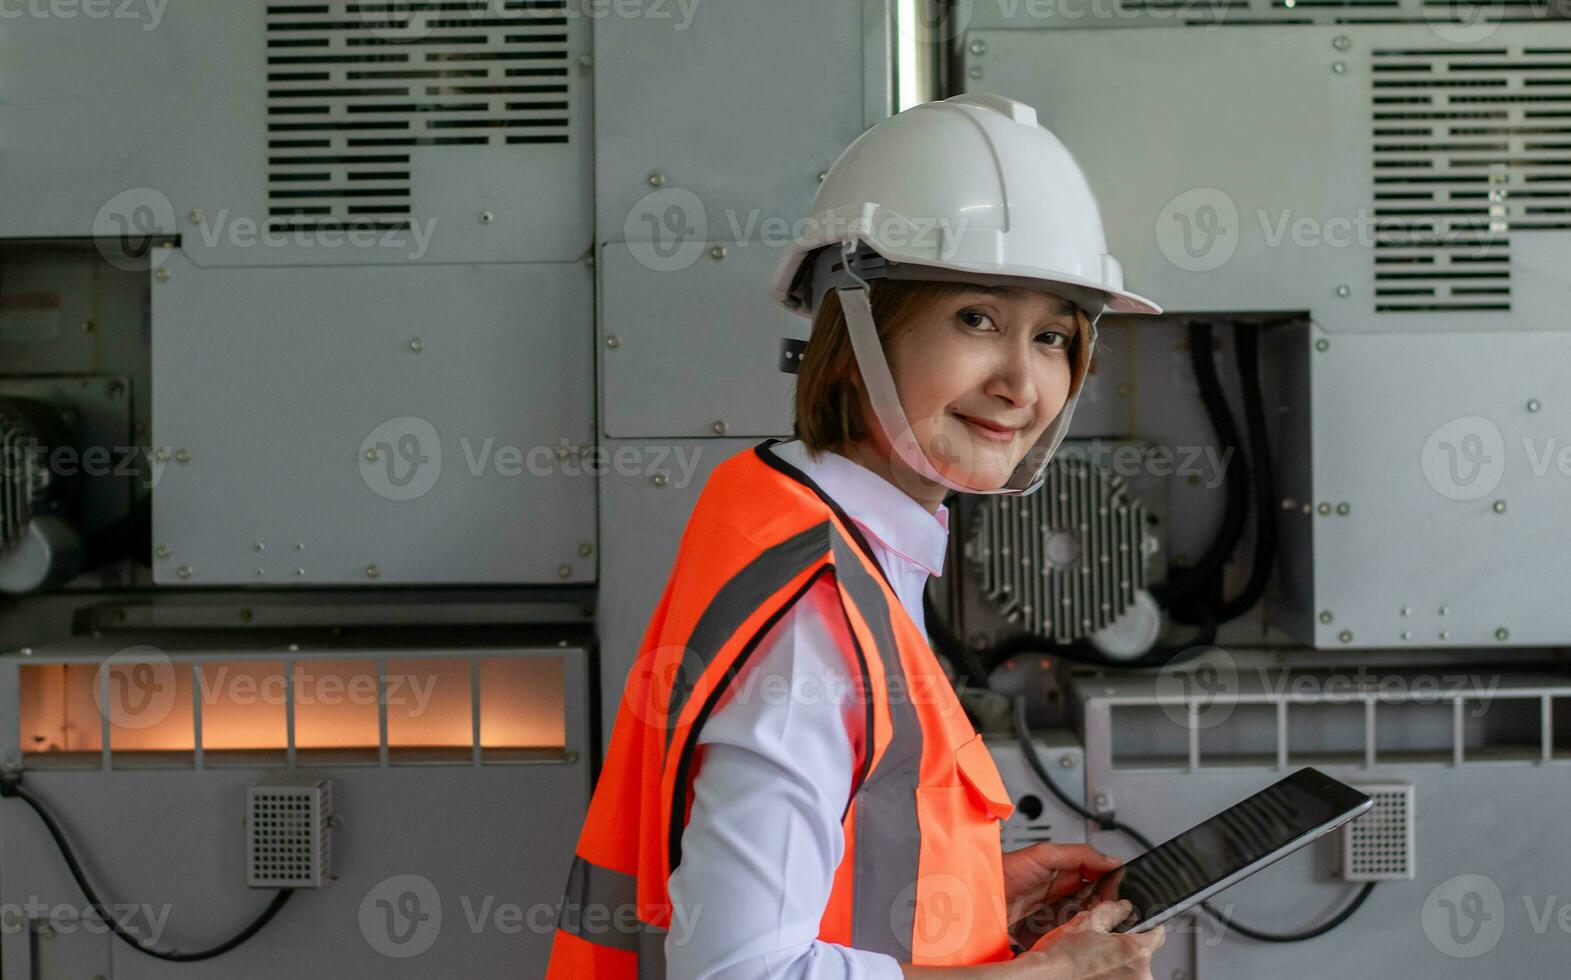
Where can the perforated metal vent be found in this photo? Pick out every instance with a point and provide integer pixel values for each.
(1469, 145)
(1242, 13)
(1378, 846)
(1067, 560)
(351, 86)
(287, 841)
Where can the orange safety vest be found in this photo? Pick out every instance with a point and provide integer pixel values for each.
(921, 877)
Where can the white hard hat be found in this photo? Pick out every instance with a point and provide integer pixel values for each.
(971, 189)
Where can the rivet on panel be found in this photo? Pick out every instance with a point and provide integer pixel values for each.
(1346, 636)
(613, 341)
(659, 479)
(657, 179)
(373, 570)
(1499, 507)
(564, 570)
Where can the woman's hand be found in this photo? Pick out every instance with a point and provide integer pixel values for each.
(1085, 949)
(1038, 879)
(1081, 949)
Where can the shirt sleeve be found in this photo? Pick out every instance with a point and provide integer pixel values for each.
(761, 845)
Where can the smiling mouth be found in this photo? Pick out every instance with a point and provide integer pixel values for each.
(985, 429)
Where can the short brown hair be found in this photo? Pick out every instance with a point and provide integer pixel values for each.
(828, 416)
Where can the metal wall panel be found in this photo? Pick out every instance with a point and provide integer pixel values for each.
(189, 104)
(1222, 194)
(1438, 469)
(438, 869)
(313, 427)
(1504, 805)
(644, 506)
(741, 108)
(693, 351)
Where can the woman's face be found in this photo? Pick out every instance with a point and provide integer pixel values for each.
(981, 374)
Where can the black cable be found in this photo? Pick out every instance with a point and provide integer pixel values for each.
(1107, 822)
(1182, 594)
(11, 785)
(1261, 476)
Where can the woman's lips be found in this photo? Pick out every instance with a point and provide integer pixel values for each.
(997, 435)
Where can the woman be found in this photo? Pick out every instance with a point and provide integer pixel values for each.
(791, 788)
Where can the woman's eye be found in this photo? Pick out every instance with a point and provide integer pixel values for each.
(1055, 338)
(977, 314)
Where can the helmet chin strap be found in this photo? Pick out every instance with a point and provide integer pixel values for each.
(1028, 473)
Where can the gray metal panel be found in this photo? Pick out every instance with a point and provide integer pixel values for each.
(642, 523)
(1280, 170)
(278, 383)
(1504, 809)
(420, 887)
(1420, 437)
(743, 108)
(696, 345)
(175, 96)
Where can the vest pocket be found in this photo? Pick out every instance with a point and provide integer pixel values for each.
(959, 900)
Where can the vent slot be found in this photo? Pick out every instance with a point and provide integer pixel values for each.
(1378, 846)
(1470, 145)
(351, 85)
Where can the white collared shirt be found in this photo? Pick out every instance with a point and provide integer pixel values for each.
(776, 758)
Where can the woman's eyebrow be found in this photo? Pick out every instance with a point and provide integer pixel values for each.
(1063, 307)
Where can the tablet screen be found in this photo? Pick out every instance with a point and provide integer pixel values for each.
(1274, 818)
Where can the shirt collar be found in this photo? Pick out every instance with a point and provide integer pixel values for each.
(879, 507)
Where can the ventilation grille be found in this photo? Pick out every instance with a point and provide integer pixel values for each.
(287, 840)
(1470, 144)
(1378, 846)
(1244, 13)
(1067, 560)
(352, 86)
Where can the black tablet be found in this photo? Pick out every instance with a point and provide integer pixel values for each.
(1183, 872)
